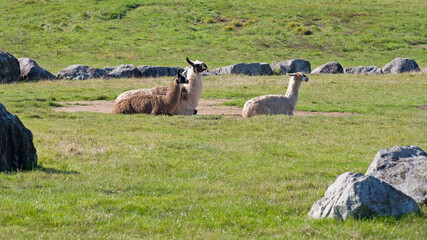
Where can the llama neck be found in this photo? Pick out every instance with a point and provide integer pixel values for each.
(174, 93)
(195, 85)
(293, 89)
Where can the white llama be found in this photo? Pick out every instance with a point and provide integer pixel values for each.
(276, 104)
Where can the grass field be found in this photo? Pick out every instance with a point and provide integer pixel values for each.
(103, 33)
(105, 176)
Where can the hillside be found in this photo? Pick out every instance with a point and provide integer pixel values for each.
(162, 32)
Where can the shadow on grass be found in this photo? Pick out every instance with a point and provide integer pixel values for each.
(54, 171)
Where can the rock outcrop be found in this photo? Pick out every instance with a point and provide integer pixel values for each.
(363, 70)
(292, 66)
(30, 70)
(330, 67)
(153, 71)
(9, 68)
(401, 65)
(359, 196)
(123, 71)
(81, 72)
(405, 168)
(251, 69)
(17, 150)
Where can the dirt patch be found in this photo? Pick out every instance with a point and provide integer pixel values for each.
(205, 107)
(422, 107)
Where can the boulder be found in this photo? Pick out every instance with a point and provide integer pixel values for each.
(363, 70)
(405, 168)
(292, 66)
(251, 69)
(81, 72)
(359, 196)
(9, 68)
(30, 70)
(400, 65)
(330, 67)
(17, 151)
(153, 71)
(123, 71)
(265, 69)
(210, 73)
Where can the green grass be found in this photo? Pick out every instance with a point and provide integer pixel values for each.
(102, 33)
(105, 176)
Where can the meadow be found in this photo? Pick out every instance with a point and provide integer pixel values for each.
(104, 176)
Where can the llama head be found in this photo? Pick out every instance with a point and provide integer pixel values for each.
(197, 66)
(299, 75)
(181, 79)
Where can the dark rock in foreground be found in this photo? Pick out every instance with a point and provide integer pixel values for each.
(292, 66)
(401, 65)
(81, 72)
(330, 67)
(30, 70)
(9, 68)
(16, 143)
(363, 70)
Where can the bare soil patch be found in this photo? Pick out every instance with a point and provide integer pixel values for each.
(424, 107)
(205, 107)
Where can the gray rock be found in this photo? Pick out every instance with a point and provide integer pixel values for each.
(292, 66)
(30, 70)
(405, 168)
(81, 72)
(123, 71)
(425, 70)
(9, 68)
(400, 65)
(363, 70)
(251, 69)
(266, 69)
(153, 71)
(209, 73)
(17, 150)
(330, 67)
(359, 196)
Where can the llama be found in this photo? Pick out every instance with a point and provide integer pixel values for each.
(190, 94)
(276, 104)
(153, 104)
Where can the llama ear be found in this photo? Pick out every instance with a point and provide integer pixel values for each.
(291, 74)
(190, 62)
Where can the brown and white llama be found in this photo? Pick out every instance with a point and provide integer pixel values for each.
(190, 95)
(153, 104)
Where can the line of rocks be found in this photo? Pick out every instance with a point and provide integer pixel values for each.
(12, 69)
(393, 185)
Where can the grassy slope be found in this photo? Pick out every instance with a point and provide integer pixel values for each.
(100, 33)
(107, 176)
